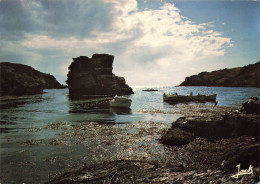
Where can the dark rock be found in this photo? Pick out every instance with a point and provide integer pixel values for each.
(244, 155)
(51, 83)
(252, 106)
(176, 137)
(18, 79)
(247, 76)
(94, 77)
(133, 171)
(229, 126)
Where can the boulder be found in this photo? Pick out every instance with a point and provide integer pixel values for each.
(244, 155)
(19, 79)
(176, 137)
(230, 125)
(252, 106)
(93, 77)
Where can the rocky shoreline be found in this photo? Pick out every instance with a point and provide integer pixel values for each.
(20, 80)
(204, 149)
(132, 171)
(247, 76)
(235, 127)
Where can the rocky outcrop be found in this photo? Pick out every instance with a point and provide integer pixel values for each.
(252, 106)
(229, 126)
(247, 76)
(222, 141)
(19, 79)
(177, 137)
(244, 155)
(50, 82)
(90, 77)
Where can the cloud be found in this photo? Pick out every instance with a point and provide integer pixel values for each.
(158, 42)
(165, 40)
(57, 19)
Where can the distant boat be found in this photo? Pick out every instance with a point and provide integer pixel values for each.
(150, 89)
(181, 98)
(120, 102)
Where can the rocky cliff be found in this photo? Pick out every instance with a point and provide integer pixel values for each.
(247, 76)
(19, 79)
(94, 77)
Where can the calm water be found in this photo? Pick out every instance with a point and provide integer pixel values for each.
(45, 135)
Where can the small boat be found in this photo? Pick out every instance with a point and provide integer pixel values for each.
(181, 98)
(150, 89)
(120, 102)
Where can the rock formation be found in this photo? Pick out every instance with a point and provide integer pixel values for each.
(231, 125)
(252, 106)
(247, 76)
(238, 131)
(244, 155)
(90, 77)
(19, 79)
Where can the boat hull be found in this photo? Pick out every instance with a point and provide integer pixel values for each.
(179, 98)
(150, 89)
(120, 103)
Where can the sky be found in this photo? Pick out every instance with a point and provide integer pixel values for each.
(155, 42)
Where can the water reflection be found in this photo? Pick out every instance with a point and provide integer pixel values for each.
(120, 111)
(14, 102)
(6, 130)
(189, 103)
(95, 110)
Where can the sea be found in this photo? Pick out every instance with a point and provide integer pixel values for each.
(44, 136)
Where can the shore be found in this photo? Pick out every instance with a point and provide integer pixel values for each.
(131, 171)
(90, 152)
(202, 160)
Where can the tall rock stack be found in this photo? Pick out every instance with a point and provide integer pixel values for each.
(93, 77)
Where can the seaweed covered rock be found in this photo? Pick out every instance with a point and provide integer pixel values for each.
(244, 155)
(19, 79)
(90, 77)
(252, 106)
(230, 125)
(176, 137)
(134, 171)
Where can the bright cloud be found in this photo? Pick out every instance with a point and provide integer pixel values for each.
(165, 31)
(157, 42)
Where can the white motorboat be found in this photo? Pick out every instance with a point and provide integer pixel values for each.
(120, 102)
